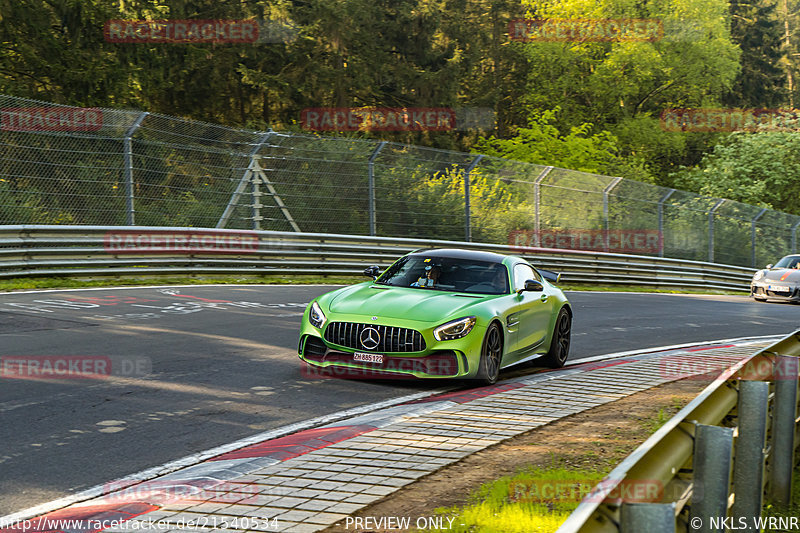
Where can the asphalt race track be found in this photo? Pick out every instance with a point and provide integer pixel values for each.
(197, 367)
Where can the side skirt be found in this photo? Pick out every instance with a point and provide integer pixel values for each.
(526, 354)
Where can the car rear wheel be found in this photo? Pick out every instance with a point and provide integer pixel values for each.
(557, 355)
(491, 355)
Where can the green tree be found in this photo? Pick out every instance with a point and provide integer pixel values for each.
(755, 168)
(542, 143)
(755, 27)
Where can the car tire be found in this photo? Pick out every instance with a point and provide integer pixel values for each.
(759, 299)
(557, 355)
(491, 354)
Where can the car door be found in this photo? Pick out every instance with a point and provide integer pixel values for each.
(530, 316)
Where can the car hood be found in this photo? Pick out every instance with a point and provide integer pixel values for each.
(401, 302)
(791, 275)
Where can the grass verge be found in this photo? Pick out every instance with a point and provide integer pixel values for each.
(637, 288)
(782, 513)
(20, 284)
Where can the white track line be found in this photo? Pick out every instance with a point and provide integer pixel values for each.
(232, 285)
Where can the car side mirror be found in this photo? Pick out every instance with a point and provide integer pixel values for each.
(373, 271)
(768, 266)
(532, 285)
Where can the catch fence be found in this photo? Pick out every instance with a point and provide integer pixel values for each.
(106, 167)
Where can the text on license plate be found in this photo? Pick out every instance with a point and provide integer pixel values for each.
(368, 357)
(778, 288)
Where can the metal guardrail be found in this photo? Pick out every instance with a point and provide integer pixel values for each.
(38, 250)
(746, 422)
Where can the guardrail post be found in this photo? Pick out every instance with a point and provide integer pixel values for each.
(606, 192)
(127, 148)
(650, 517)
(467, 208)
(712, 476)
(783, 429)
(537, 199)
(371, 185)
(711, 230)
(661, 220)
(753, 237)
(748, 466)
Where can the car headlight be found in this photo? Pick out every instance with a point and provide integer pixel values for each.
(455, 329)
(758, 275)
(316, 316)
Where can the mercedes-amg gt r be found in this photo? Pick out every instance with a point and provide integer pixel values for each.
(442, 313)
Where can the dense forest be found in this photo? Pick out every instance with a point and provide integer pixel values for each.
(589, 104)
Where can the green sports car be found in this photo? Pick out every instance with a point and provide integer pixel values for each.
(442, 313)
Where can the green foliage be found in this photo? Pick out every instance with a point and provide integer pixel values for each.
(622, 87)
(542, 143)
(756, 168)
(690, 65)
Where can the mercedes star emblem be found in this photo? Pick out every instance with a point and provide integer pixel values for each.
(370, 338)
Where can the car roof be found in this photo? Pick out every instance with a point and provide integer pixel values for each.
(456, 253)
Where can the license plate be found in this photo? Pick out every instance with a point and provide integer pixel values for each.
(775, 288)
(368, 357)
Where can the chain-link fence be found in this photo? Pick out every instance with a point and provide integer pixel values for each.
(66, 165)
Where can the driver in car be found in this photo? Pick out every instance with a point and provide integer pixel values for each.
(430, 278)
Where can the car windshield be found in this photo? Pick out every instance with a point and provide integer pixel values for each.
(790, 261)
(447, 274)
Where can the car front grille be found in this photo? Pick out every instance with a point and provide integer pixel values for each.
(380, 339)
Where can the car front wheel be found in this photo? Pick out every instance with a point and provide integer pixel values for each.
(491, 354)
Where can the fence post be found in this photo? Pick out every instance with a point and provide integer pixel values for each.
(606, 191)
(783, 428)
(711, 230)
(127, 146)
(537, 197)
(371, 185)
(712, 476)
(794, 237)
(748, 466)
(661, 220)
(753, 236)
(467, 208)
(226, 214)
